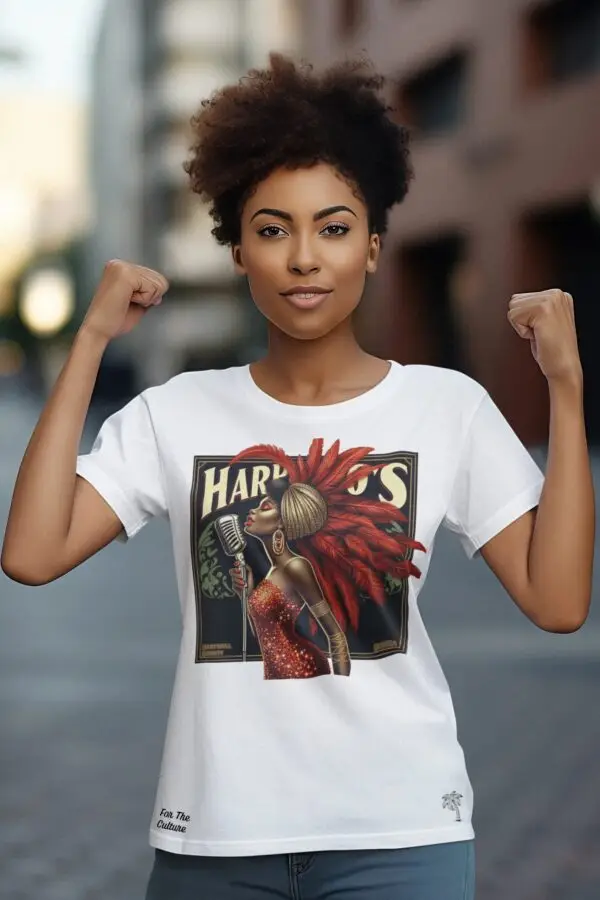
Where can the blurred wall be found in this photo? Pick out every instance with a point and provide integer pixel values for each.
(502, 100)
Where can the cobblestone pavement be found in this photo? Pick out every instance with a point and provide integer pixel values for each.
(86, 666)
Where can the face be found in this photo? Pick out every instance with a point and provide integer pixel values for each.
(264, 520)
(306, 250)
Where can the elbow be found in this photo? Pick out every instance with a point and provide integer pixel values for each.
(563, 611)
(563, 624)
(24, 573)
(566, 626)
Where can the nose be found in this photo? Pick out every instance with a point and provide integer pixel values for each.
(303, 260)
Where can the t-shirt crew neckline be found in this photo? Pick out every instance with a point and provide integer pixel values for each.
(355, 405)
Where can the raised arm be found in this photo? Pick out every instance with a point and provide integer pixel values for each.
(545, 558)
(57, 520)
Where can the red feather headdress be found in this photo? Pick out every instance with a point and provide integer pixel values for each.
(351, 552)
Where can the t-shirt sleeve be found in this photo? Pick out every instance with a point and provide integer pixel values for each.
(124, 467)
(497, 480)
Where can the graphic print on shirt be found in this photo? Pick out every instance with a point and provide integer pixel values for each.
(303, 561)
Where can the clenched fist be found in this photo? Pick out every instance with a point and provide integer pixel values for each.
(124, 294)
(547, 320)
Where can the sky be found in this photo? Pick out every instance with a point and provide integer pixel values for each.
(56, 38)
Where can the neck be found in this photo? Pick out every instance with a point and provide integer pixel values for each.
(307, 368)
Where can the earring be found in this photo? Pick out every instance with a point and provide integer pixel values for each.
(278, 542)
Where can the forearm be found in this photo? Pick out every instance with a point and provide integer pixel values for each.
(562, 546)
(340, 654)
(42, 501)
(338, 645)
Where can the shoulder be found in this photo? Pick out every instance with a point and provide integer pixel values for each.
(450, 382)
(445, 389)
(299, 569)
(198, 387)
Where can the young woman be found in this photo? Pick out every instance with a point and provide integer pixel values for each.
(275, 784)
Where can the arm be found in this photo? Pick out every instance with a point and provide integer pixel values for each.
(545, 558)
(305, 582)
(56, 519)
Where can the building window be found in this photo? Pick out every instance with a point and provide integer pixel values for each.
(350, 13)
(563, 41)
(433, 102)
(429, 283)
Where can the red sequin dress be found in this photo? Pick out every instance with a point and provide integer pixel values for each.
(286, 654)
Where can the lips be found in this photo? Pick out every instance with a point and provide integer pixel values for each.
(307, 299)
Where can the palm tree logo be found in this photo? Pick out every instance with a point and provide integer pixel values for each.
(452, 801)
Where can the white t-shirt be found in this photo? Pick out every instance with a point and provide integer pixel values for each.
(267, 749)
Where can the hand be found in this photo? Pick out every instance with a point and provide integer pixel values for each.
(237, 579)
(547, 320)
(124, 294)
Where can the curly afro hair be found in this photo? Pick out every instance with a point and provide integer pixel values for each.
(287, 116)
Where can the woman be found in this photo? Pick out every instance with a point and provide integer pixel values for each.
(350, 786)
(276, 602)
(306, 512)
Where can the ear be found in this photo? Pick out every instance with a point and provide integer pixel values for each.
(236, 254)
(374, 250)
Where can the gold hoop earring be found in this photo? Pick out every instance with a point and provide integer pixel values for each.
(278, 542)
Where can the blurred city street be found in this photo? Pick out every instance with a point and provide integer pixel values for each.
(501, 103)
(86, 670)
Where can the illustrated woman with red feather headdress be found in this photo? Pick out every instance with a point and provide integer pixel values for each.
(333, 533)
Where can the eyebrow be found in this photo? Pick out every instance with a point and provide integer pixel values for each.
(322, 214)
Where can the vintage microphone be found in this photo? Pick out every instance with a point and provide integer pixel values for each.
(234, 543)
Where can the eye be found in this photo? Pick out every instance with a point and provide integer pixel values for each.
(271, 231)
(266, 505)
(342, 229)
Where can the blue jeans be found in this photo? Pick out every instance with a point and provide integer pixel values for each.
(433, 872)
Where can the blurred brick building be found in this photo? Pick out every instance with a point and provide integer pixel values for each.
(503, 100)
